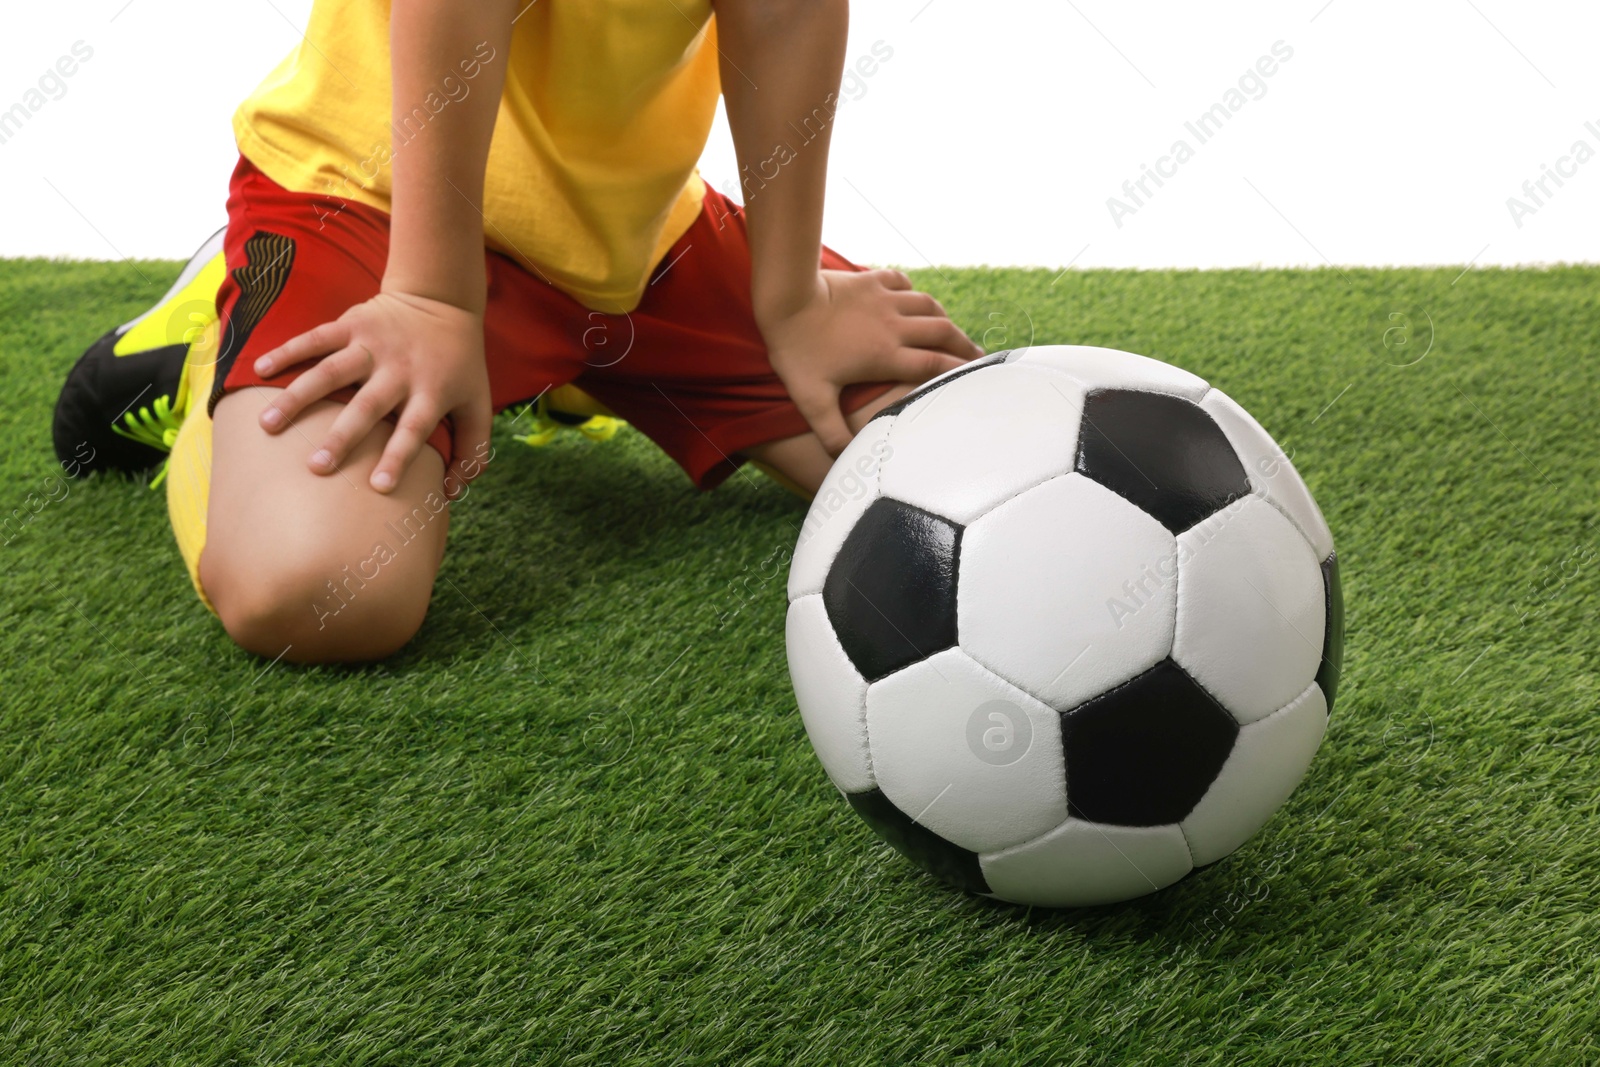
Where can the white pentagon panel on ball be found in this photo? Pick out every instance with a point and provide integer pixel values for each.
(830, 694)
(1270, 472)
(1251, 608)
(983, 438)
(1067, 591)
(1267, 762)
(848, 490)
(1109, 368)
(1082, 863)
(973, 759)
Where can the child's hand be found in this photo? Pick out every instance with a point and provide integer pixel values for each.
(867, 326)
(420, 357)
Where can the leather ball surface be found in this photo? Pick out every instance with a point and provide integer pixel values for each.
(1064, 624)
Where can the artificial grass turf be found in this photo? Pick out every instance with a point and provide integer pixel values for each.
(577, 820)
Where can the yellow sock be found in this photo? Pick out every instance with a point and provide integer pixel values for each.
(574, 401)
(189, 465)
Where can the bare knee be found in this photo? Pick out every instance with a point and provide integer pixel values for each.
(316, 568)
(312, 610)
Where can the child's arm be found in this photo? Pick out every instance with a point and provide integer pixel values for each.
(781, 65)
(418, 344)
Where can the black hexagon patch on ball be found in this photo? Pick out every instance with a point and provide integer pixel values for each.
(1332, 632)
(1144, 753)
(1162, 453)
(939, 857)
(891, 590)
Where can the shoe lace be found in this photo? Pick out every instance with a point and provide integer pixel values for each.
(155, 425)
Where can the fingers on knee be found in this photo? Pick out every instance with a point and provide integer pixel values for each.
(315, 609)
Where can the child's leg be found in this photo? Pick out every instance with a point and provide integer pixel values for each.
(802, 460)
(288, 560)
(297, 565)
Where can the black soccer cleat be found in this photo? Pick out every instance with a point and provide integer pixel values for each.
(124, 400)
(102, 391)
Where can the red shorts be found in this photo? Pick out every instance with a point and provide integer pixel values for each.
(687, 367)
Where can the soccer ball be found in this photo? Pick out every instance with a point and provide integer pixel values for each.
(1064, 624)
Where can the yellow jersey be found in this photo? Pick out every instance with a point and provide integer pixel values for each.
(591, 174)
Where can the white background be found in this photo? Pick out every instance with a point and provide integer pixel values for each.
(995, 133)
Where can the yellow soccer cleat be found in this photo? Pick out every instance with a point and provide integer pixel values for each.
(565, 407)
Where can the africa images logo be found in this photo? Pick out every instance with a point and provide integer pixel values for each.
(1566, 166)
(51, 85)
(999, 733)
(1252, 85)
